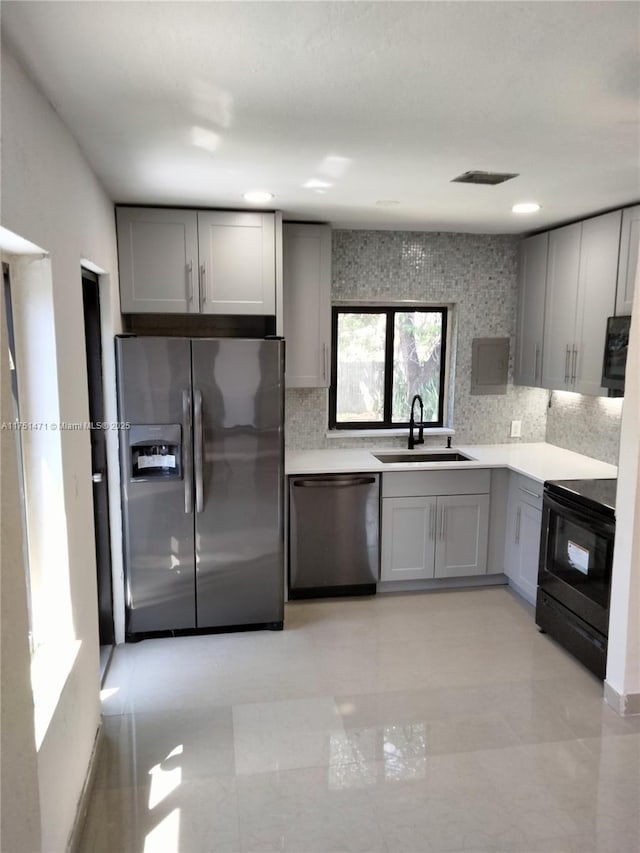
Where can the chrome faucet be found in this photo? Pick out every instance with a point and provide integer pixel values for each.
(412, 423)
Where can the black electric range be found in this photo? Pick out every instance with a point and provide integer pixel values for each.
(597, 496)
(576, 558)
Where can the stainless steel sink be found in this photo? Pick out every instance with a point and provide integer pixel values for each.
(436, 456)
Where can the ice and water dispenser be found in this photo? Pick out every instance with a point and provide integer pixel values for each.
(155, 452)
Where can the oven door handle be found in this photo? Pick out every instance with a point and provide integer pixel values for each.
(582, 516)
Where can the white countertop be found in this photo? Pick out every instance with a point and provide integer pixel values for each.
(540, 461)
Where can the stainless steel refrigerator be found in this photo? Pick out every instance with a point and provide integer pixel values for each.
(202, 473)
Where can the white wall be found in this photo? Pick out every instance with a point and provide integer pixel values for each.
(623, 659)
(51, 197)
(19, 773)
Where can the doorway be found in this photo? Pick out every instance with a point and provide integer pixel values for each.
(93, 344)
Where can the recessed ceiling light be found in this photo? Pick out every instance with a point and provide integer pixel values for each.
(258, 196)
(526, 207)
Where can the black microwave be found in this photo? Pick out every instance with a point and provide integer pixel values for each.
(615, 352)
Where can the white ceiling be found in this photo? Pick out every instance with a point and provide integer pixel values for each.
(192, 103)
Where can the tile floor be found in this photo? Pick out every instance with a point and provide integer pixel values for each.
(423, 722)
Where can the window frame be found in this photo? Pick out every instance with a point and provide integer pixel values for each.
(389, 311)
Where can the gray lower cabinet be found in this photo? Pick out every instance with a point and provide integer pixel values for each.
(522, 543)
(628, 263)
(463, 527)
(201, 262)
(434, 525)
(408, 538)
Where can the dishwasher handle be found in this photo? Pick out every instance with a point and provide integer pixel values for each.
(333, 483)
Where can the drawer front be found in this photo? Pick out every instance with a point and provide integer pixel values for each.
(424, 483)
(526, 490)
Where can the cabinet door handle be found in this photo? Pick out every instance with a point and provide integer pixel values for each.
(575, 365)
(535, 371)
(529, 492)
(432, 526)
(442, 523)
(518, 516)
(203, 283)
(190, 282)
(567, 356)
(325, 362)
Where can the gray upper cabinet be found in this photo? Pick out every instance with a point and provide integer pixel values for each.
(158, 260)
(560, 305)
(530, 321)
(237, 262)
(596, 299)
(187, 261)
(307, 304)
(580, 295)
(628, 265)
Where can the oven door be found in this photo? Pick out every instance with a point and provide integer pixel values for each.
(576, 554)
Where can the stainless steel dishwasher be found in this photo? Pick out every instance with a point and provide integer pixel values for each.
(333, 534)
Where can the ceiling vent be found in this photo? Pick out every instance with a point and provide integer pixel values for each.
(490, 178)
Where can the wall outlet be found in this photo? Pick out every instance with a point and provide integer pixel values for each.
(516, 429)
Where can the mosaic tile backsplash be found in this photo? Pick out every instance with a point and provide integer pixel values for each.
(476, 274)
(589, 425)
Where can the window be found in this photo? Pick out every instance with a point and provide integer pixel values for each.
(381, 358)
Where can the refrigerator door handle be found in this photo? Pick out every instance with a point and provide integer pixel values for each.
(198, 440)
(187, 462)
